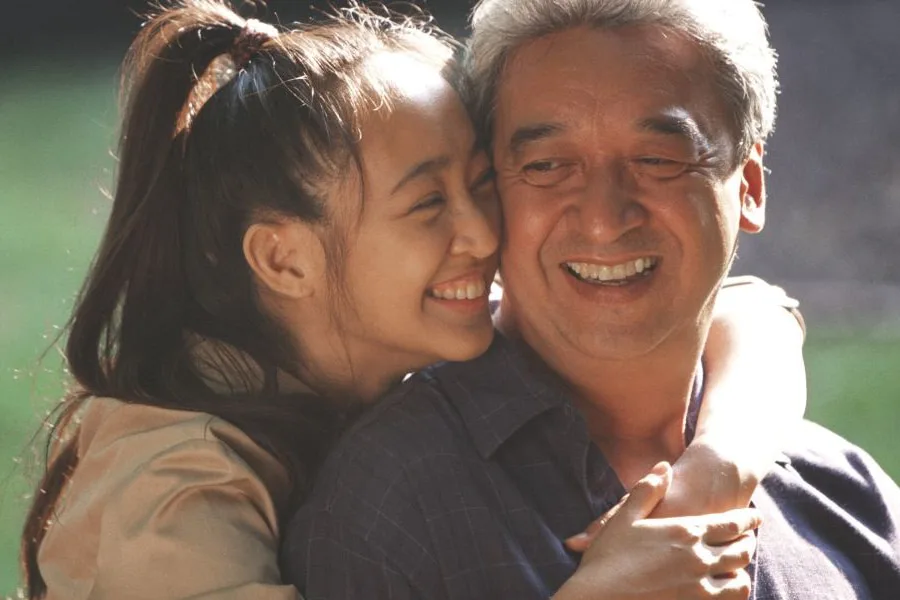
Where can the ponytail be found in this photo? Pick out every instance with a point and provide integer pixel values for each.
(133, 298)
(142, 233)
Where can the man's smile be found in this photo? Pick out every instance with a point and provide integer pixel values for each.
(615, 274)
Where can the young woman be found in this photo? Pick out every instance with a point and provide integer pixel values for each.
(300, 219)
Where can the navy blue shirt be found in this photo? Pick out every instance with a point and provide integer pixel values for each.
(464, 483)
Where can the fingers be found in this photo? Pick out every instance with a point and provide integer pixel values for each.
(646, 494)
(582, 541)
(603, 519)
(639, 503)
(707, 548)
(714, 545)
(730, 525)
(732, 557)
(736, 587)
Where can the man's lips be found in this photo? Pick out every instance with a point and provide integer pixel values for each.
(617, 273)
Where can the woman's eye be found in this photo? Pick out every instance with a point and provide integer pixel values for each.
(432, 201)
(487, 176)
(545, 173)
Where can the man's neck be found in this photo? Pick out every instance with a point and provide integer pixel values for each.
(635, 408)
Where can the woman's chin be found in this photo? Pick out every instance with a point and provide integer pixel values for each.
(470, 345)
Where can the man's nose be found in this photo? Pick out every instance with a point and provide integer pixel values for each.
(476, 231)
(608, 206)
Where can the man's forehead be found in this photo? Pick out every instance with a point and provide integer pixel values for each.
(572, 42)
(553, 81)
(593, 54)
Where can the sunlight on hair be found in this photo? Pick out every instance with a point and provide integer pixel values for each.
(393, 74)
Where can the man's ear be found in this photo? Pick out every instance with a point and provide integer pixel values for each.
(286, 257)
(753, 191)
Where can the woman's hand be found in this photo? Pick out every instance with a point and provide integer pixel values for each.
(704, 482)
(629, 555)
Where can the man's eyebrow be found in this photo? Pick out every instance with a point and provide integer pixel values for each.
(426, 167)
(532, 133)
(676, 125)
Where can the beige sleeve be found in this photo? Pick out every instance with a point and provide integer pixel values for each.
(750, 289)
(193, 521)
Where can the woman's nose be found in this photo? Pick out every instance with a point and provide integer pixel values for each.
(477, 229)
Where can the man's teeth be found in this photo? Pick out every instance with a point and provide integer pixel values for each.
(611, 273)
(467, 290)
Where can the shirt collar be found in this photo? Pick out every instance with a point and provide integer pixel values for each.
(499, 392)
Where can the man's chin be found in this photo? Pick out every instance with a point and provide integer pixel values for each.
(617, 343)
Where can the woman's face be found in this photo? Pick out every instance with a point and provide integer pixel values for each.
(421, 246)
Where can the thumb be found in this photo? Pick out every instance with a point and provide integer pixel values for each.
(637, 504)
(646, 494)
(582, 541)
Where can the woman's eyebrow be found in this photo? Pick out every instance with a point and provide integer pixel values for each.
(426, 167)
(432, 165)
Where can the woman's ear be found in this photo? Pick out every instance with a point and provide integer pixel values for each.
(286, 257)
(753, 191)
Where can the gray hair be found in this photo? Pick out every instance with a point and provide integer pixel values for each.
(732, 33)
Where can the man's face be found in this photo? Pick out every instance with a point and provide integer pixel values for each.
(621, 191)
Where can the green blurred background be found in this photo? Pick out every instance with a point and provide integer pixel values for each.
(57, 133)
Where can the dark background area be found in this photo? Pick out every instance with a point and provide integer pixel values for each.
(55, 27)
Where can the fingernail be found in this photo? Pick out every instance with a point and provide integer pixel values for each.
(655, 479)
(581, 537)
(661, 468)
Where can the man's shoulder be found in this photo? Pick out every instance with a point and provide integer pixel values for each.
(831, 521)
(390, 453)
(409, 422)
(817, 449)
(825, 473)
(418, 457)
(374, 492)
(435, 418)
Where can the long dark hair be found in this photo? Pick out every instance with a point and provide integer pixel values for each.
(170, 273)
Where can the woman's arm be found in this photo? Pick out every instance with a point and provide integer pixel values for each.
(755, 394)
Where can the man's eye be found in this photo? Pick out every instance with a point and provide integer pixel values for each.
(661, 168)
(545, 173)
(542, 166)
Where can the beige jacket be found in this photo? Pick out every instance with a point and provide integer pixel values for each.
(165, 504)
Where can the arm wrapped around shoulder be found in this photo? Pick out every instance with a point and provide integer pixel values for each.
(754, 396)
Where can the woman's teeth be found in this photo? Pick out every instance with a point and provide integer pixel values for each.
(611, 273)
(463, 290)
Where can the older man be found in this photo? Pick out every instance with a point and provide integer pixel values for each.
(627, 138)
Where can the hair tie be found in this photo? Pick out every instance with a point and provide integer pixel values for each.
(251, 38)
(223, 68)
